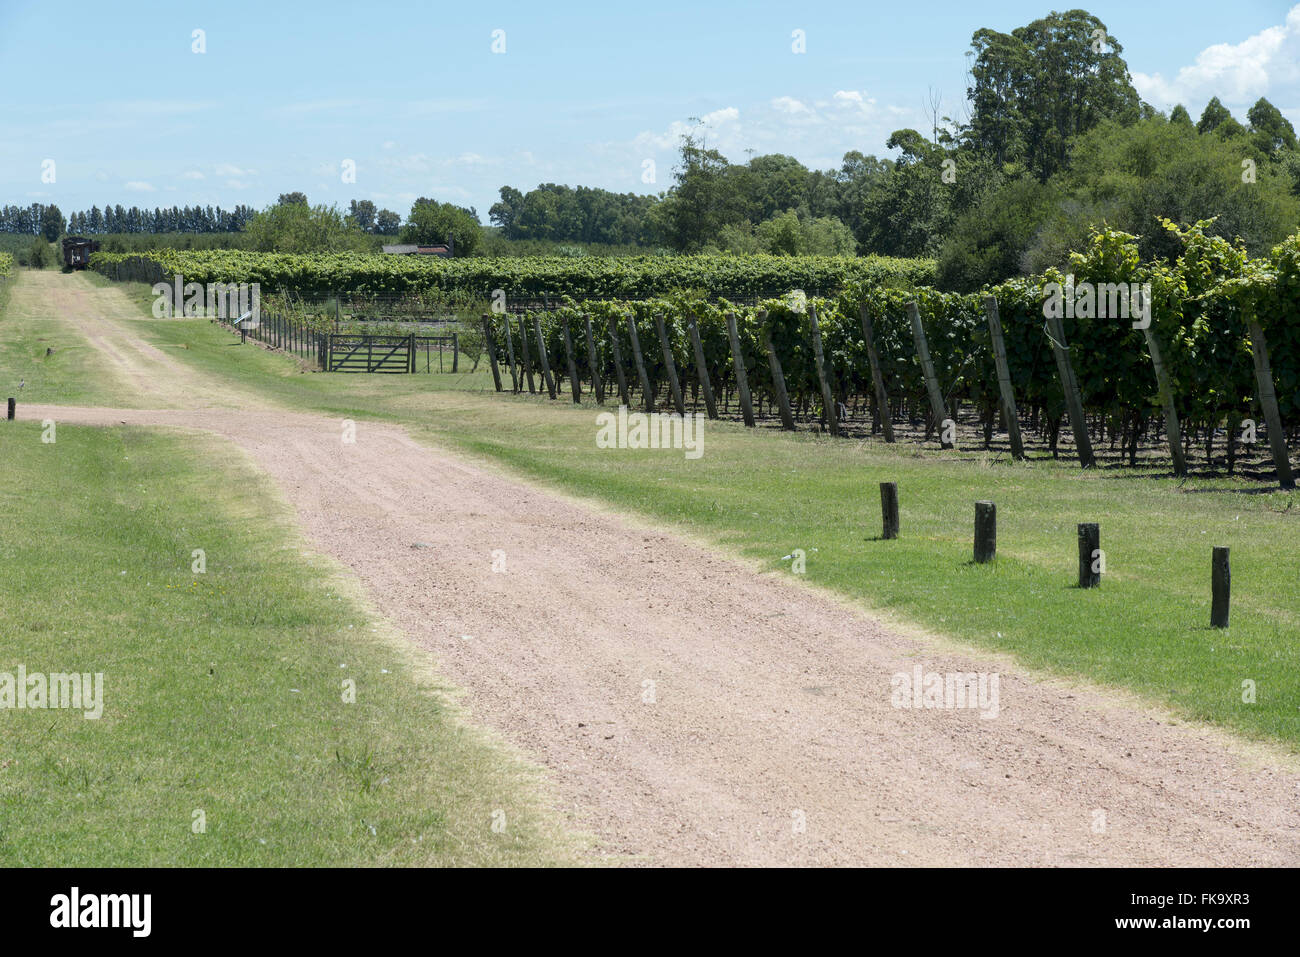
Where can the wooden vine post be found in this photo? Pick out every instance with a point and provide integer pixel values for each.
(541, 356)
(927, 370)
(701, 370)
(1070, 387)
(738, 363)
(523, 350)
(877, 380)
(618, 363)
(574, 387)
(490, 344)
(778, 377)
(1172, 427)
(640, 365)
(670, 365)
(1268, 400)
(510, 353)
(593, 364)
(823, 373)
(1005, 389)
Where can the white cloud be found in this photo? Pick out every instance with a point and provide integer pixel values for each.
(1236, 73)
(788, 104)
(138, 186)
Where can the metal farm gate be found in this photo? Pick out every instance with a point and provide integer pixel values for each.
(364, 353)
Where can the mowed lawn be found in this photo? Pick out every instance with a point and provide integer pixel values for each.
(225, 737)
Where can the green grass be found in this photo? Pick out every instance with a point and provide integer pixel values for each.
(73, 374)
(223, 691)
(761, 494)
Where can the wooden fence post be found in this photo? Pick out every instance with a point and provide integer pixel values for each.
(593, 365)
(986, 532)
(877, 380)
(574, 388)
(1268, 399)
(927, 370)
(1005, 389)
(640, 364)
(1089, 555)
(670, 365)
(541, 355)
(618, 363)
(1070, 387)
(778, 377)
(1174, 430)
(523, 351)
(823, 373)
(490, 343)
(510, 352)
(455, 351)
(738, 362)
(1220, 587)
(888, 510)
(701, 370)
(13, 405)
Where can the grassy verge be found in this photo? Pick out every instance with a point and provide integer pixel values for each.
(762, 494)
(42, 360)
(223, 691)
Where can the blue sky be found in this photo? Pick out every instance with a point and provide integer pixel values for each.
(414, 96)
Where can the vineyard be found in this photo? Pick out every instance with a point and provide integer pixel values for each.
(6, 273)
(1213, 314)
(1216, 372)
(581, 278)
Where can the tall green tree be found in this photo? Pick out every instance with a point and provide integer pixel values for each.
(1038, 87)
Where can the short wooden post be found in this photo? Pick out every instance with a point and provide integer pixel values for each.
(1220, 587)
(510, 352)
(523, 352)
(1070, 387)
(877, 379)
(1172, 429)
(823, 373)
(13, 405)
(640, 364)
(986, 532)
(593, 365)
(1268, 399)
(701, 370)
(490, 344)
(574, 388)
(1089, 554)
(541, 356)
(738, 363)
(889, 510)
(455, 351)
(778, 377)
(927, 370)
(1005, 389)
(618, 363)
(670, 365)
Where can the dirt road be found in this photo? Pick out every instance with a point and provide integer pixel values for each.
(692, 711)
